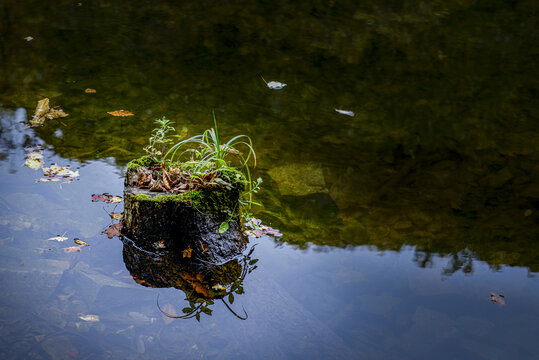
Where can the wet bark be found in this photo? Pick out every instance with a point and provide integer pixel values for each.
(172, 225)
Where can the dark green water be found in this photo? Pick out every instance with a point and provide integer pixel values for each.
(398, 222)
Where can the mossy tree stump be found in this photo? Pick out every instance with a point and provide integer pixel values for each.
(185, 221)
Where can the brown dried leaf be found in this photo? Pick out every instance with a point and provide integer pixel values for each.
(114, 230)
(497, 299)
(56, 114)
(120, 113)
(116, 216)
(166, 183)
(73, 248)
(90, 91)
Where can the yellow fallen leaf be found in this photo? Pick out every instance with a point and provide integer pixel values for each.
(42, 108)
(80, 242)
(187, 252)
(33, 163)
(116, 216)
(90, 91)
(120, 113)
(58, 238)
(115, 199)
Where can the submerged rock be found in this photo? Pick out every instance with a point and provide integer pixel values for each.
(299, 179)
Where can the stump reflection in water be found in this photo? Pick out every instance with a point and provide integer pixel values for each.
(202, 283)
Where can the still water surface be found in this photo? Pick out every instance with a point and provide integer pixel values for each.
(399, 222)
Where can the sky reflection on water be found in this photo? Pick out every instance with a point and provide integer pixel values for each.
(398, 222)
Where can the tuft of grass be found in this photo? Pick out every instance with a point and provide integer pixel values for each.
(207, 153)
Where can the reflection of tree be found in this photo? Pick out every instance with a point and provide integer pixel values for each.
(203, 283)
(200, 304)
(463, 261)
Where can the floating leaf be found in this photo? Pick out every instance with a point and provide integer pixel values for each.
(56, 114)
(58, 238)
(497, 299)
(58, 171)
(116, 216)
(103, 197)
(106, 198)
(274, 85)
(120, 113)
(90, 318)
(90, 91)
(43, 112)
(73, 248)
(43, 179)
(34, 160)
(114, 230)
(28, 38)
(257, 233)
(187, 252)
(80, 242)
(345, 112)
(223, 227)
(41, 109)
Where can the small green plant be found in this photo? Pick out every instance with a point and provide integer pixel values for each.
(199, 162)
(160, 139)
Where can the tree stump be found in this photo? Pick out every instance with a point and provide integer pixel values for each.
(186, 222)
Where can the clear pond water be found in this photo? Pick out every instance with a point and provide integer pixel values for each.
(399, 222)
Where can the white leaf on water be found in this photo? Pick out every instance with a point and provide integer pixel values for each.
(345, 112)
(58, 238)
(89, 317)
(274, 85)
